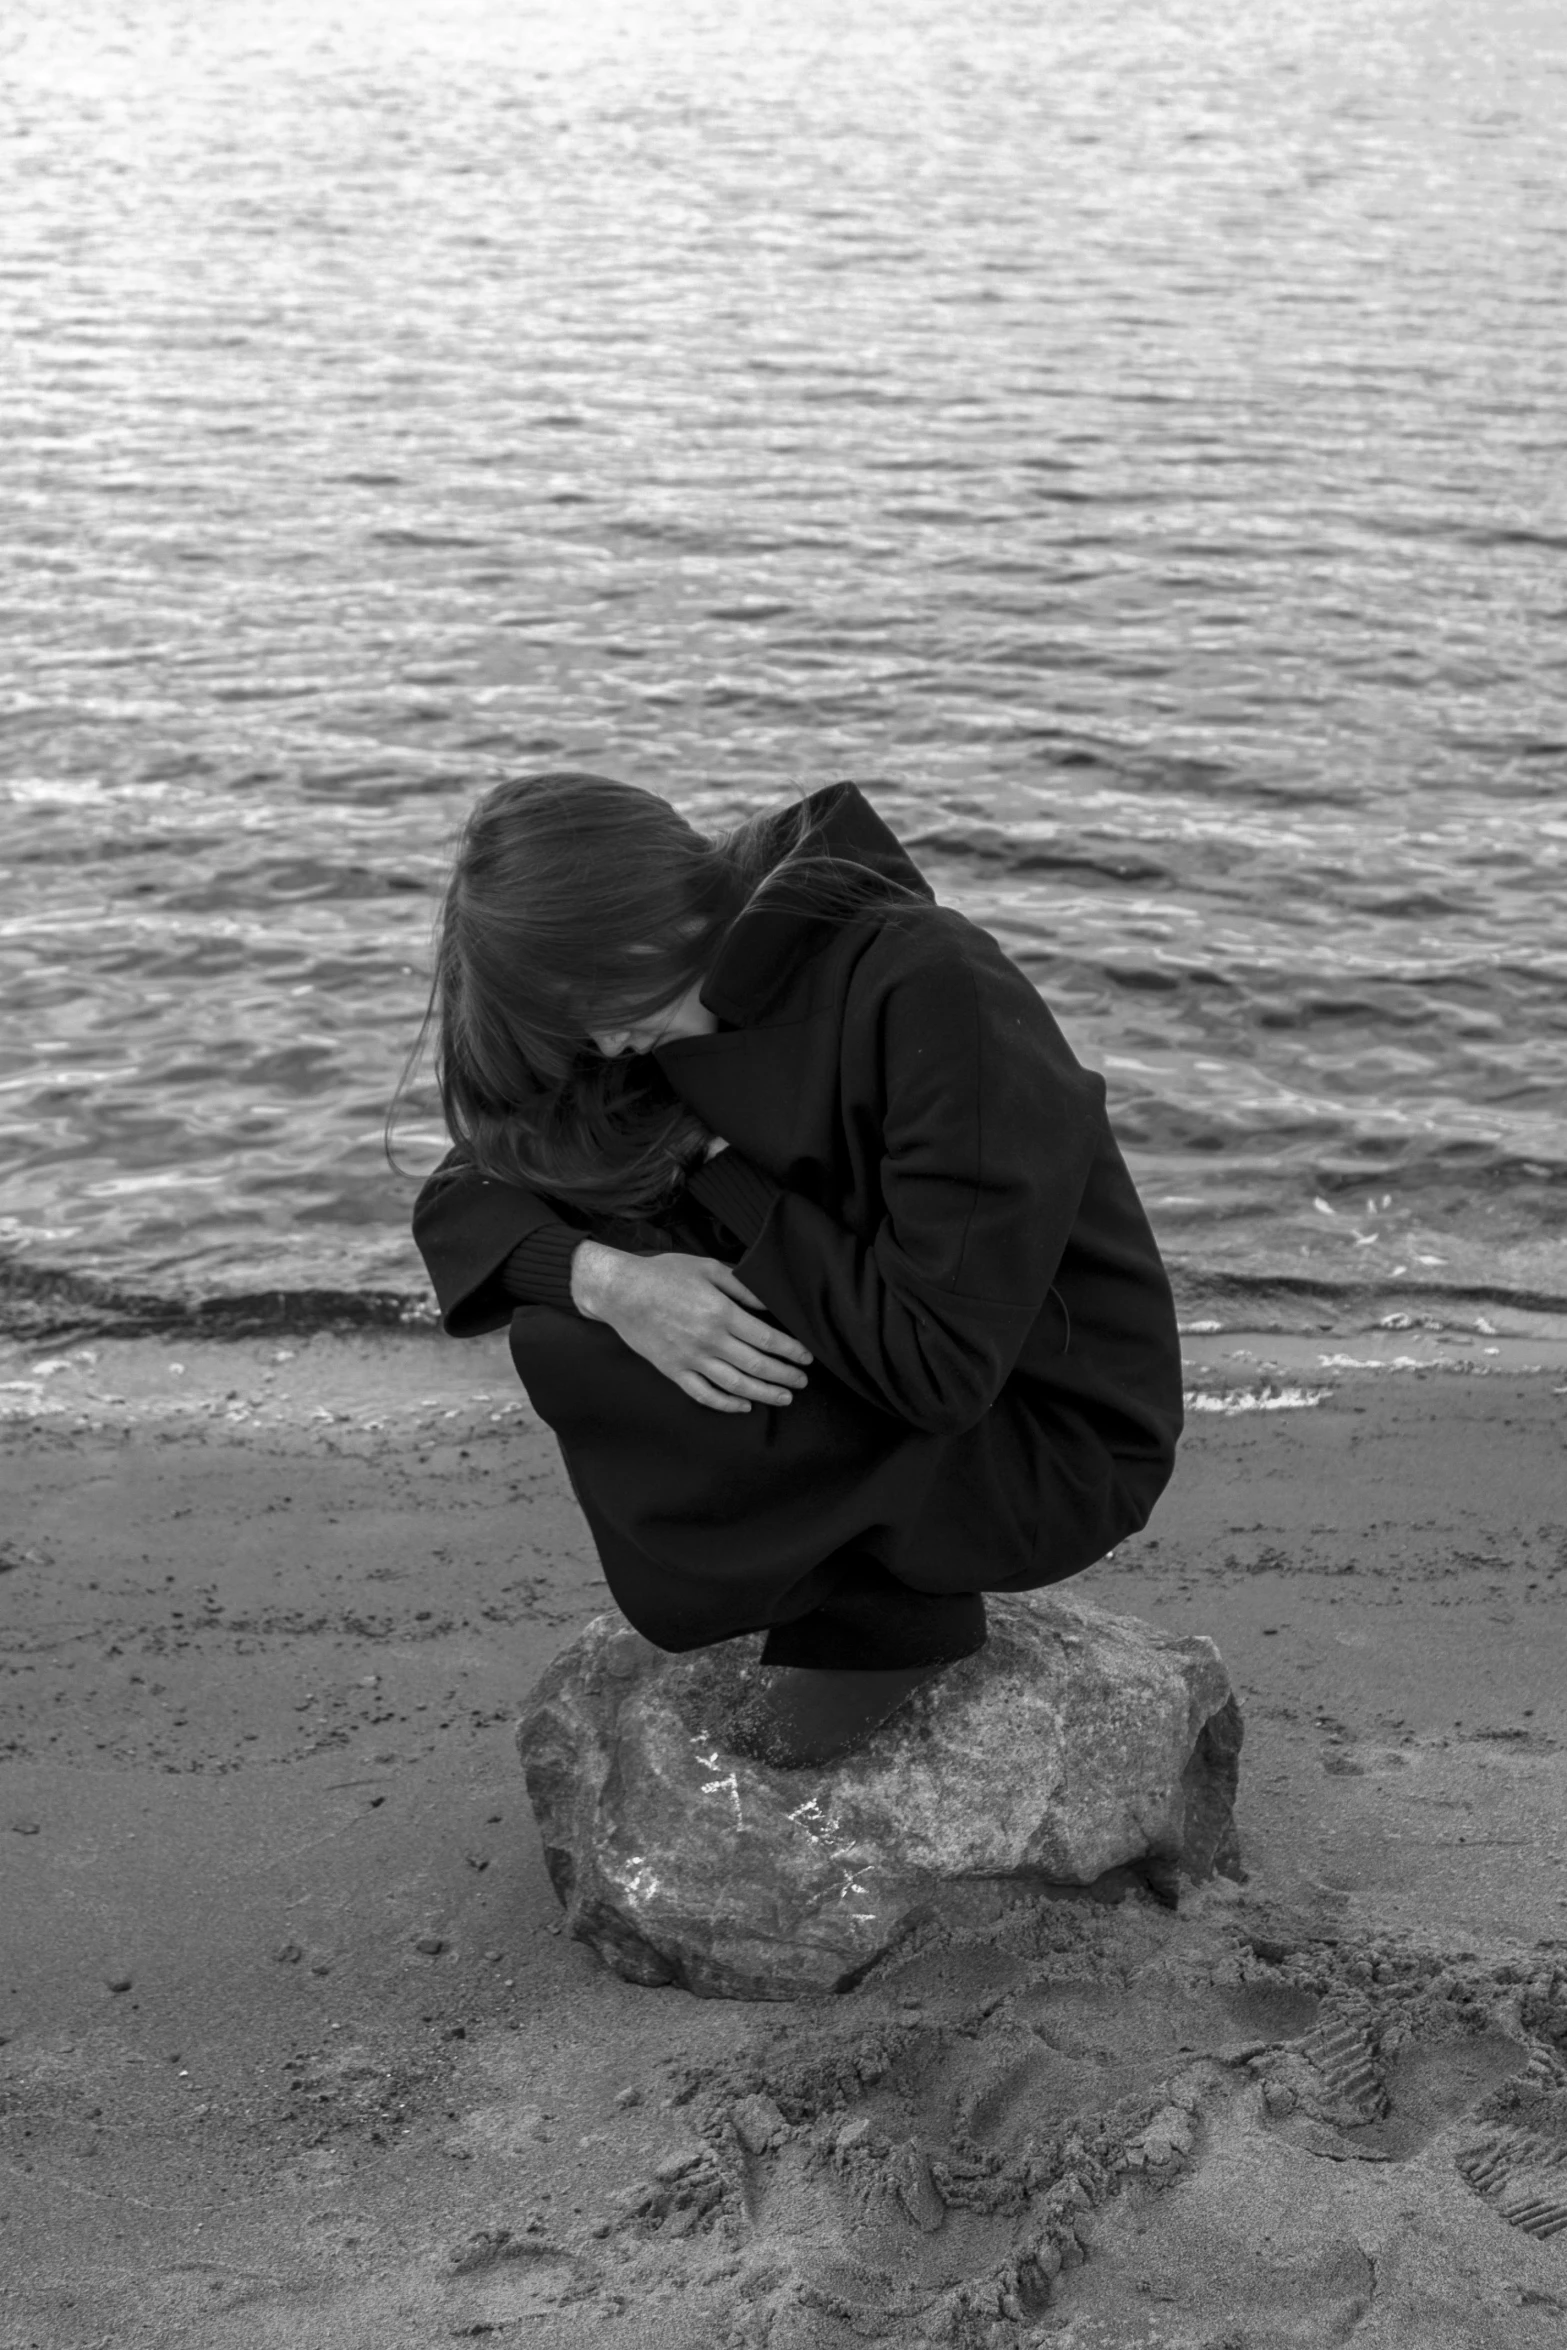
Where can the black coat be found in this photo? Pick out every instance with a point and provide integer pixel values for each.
(923, 1187)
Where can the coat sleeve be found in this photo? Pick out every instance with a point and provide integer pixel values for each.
(466, 1226)
(989, 1130)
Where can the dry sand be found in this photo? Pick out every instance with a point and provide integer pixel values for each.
(296, 2054)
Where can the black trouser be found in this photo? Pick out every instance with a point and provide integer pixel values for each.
(851, 1539)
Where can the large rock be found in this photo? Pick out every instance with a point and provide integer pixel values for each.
(1075, 1743)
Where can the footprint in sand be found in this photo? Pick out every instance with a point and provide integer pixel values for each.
(1124, 2148)
(1343, 2051)
(1521, 2165)
(935, 2181)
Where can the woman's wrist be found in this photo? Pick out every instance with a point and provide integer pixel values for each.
(594, 1271)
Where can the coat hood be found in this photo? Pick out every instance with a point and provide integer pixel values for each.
(768, 944)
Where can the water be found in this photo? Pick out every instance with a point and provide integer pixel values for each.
(1129, 431)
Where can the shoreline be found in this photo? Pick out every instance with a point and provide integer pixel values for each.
(42, 1304)
(365, 1382)
(272, 1607)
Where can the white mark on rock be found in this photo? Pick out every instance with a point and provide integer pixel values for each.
(729, 1787)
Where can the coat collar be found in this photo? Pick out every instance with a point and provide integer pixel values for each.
(770, 944)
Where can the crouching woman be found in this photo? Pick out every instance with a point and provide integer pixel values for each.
(818, 1253)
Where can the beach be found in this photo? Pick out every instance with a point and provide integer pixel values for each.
(296, 2052)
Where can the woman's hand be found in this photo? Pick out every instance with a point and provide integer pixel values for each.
(687, 1316)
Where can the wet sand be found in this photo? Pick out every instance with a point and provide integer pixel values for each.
(296, 2054)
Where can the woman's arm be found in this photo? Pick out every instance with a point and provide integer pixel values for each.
(466, 1227)
(990, 1128)
(492, 1246)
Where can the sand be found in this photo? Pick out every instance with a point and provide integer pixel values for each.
(295, 2052)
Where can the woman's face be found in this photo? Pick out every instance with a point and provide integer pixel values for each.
(686, 1016)
(641, 1037)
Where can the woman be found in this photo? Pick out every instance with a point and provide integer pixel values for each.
(819, 1255)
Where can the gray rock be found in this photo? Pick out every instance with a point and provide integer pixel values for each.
(1075, 1743)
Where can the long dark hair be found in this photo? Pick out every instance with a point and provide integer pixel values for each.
(577, 903)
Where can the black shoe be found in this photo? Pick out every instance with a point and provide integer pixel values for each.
(798, 1717)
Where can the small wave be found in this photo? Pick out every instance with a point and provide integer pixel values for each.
(1232, 1400)
(1209, 1301)
(404, 536)
(1019, 857)
(41, 1305)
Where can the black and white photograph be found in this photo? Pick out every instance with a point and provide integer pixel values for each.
(783, 1174)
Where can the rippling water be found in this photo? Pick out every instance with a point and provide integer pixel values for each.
(1132, 431)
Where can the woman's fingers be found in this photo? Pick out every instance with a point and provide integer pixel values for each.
(718, 1373)
(761, 1334)
(765, 1339)
(756, 1365)
(722, 1278)
(702, 1390)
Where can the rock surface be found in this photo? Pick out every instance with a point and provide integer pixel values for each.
(1074, 1744)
